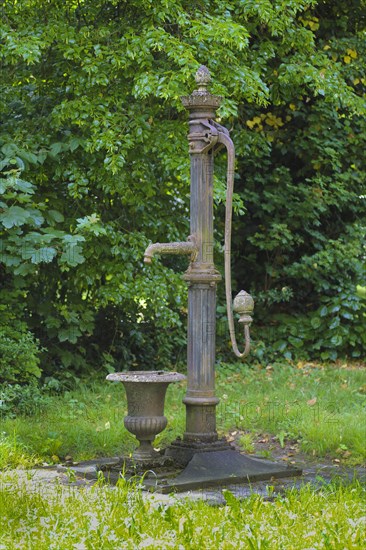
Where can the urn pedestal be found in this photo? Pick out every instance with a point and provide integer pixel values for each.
(145, 391)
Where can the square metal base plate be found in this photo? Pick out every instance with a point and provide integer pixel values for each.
(218, 468)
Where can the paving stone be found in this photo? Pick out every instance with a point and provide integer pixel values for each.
(78, 476)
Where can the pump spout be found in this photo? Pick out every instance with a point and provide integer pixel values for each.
(188, 247)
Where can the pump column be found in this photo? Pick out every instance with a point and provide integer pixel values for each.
(201, 275)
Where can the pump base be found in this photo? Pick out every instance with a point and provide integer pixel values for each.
(182, 451)
(218, 468)
(206, 469)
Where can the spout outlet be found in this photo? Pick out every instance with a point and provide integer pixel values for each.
(188, 247)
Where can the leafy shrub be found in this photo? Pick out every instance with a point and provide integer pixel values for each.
(331, 311)
(333, 330)
(19, 356)
(21, 400)
(94, 165)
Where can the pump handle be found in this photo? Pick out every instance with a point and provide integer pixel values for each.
(243, 302)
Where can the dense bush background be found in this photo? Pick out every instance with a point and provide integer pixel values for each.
(95, 166)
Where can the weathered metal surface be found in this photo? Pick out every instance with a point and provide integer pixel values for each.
(188, 247)
(220, 468)
(202, 276)
(201, 99)
(207, 461)
(243, 303)
(183, 451)
(205, 136)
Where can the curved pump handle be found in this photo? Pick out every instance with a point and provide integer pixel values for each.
(243, 302)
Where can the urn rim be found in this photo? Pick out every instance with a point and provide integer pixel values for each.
(146, 376)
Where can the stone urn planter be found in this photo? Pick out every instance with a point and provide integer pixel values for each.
(145, 391)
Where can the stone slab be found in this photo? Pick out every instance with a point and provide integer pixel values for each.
(48, 479)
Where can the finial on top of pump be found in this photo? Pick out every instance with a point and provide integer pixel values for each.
(203, 78)
(201, 98)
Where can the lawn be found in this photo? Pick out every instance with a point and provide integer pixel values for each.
(321, 407)
(120, 518)
(318, 408)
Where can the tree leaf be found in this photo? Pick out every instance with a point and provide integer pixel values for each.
(14, 216)
(44, 254)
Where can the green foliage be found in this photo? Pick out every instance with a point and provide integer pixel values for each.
(23, 400)
(304, 231)
(13, 454)
(94, 166)
(334, 328)
(19, 356)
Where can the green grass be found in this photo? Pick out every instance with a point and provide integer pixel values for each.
(84, 423)
(14, 454)
(320, 406)
(105, 518)
(323, 407)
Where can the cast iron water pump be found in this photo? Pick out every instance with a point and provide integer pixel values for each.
(205, 138)
(205, 459)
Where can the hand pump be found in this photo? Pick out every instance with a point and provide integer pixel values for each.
(205, 137)
(205, 459)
